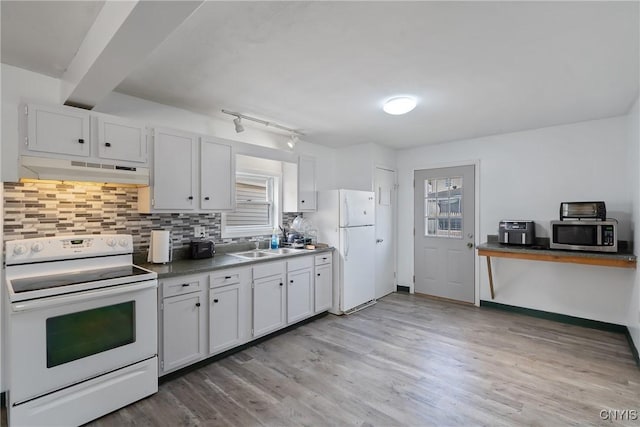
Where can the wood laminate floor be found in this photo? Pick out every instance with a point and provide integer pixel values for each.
(407, 361)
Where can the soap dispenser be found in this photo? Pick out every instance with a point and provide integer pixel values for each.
(274, 239)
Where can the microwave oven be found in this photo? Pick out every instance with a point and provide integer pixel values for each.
(596, 236)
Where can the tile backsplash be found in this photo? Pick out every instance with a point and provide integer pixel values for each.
(44, 209)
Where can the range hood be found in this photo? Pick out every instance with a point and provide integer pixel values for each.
(73, 170)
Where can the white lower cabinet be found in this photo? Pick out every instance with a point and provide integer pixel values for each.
(299, 289)
(323, 282)
(229, 315)
(204, 315)
(269, 298)
(183, 321)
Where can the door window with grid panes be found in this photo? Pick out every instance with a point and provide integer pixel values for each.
(443, 207)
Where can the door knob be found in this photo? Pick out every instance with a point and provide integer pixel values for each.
(469, 245)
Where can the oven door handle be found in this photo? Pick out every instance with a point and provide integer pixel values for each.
(92, 294)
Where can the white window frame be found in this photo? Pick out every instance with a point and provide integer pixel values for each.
(229, 232)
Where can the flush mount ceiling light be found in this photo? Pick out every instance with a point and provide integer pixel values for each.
(399, 105)
(239, 127)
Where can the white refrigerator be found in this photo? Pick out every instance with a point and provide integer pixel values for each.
(345, 220)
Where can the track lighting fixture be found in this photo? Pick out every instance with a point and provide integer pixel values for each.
(239, 127)
(293, 140)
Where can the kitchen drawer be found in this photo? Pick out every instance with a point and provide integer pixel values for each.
(322, 259)
(268, 269)
(180, 286)
(224, 278)
(298, 263)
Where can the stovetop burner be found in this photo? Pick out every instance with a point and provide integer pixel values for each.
(36, 283)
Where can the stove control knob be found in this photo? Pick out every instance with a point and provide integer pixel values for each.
(111, 242)
(37, 247)
(20, 250)
(123, 242)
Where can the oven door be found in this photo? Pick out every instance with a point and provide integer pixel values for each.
(59, 341)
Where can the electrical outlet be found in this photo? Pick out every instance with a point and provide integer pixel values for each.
(199, 231)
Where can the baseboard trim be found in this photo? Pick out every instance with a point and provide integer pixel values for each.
(571, 320)
(562, 318)
(634, 349)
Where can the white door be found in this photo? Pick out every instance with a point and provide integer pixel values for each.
(224, 318)
(356, 208)
(183, 325)
(268, 304)
(217, 175)
(59, 130)
(174, 183)
(299, 295)
(444, 257)
(120, 139)
(356, 250)
(385, 223)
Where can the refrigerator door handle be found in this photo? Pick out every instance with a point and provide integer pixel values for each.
(346, 241)
(346, 211)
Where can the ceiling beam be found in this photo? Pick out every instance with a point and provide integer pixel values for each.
(123, 34)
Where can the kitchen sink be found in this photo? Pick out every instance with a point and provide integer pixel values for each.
(252, 254)
(282, 251)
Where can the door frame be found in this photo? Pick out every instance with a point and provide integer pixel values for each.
(476, 240)
(394, 206)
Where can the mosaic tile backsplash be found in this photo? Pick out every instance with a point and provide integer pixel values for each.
(44, 209)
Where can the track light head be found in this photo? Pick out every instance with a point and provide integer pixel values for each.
(293, 140)
(239, 127)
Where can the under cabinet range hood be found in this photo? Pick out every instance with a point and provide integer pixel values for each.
(73, 170)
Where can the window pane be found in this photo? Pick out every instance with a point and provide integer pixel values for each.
(443, 207)
(250, 214)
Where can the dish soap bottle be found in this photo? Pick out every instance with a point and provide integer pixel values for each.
(274, 239)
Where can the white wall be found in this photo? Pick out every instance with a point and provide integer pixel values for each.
(633, 318)
(525, 175)
(356, 165)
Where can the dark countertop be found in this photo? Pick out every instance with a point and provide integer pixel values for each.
(219, 261)
(536, 250)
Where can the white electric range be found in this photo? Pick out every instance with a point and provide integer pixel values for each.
(81, 328)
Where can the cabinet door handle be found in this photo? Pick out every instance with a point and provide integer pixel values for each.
(184, 285)
(280, 283)
(81, 141)
(301, 201)
(290, 281)
(197, 304)
(107, 144)
(318, 274)
(215, 300)
(206, 198)
(190, 197)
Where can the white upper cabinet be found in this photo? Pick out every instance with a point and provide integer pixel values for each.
(120, 139)
(174, 174)
(217, 175)
(58, 130)
(299, 185)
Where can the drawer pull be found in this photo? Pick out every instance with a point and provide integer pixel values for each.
(215, 300)
(184, 285)
(227, 277)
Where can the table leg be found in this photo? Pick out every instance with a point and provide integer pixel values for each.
(493, 295)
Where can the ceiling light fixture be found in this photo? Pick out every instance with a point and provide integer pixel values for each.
(293, 140)
(239, 127)
(399, 105)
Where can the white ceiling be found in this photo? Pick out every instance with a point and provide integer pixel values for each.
(478, 68)
(43, 36)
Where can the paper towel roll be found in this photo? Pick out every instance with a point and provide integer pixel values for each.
(160, 246)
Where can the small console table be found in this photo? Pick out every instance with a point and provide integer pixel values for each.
(497, 250)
